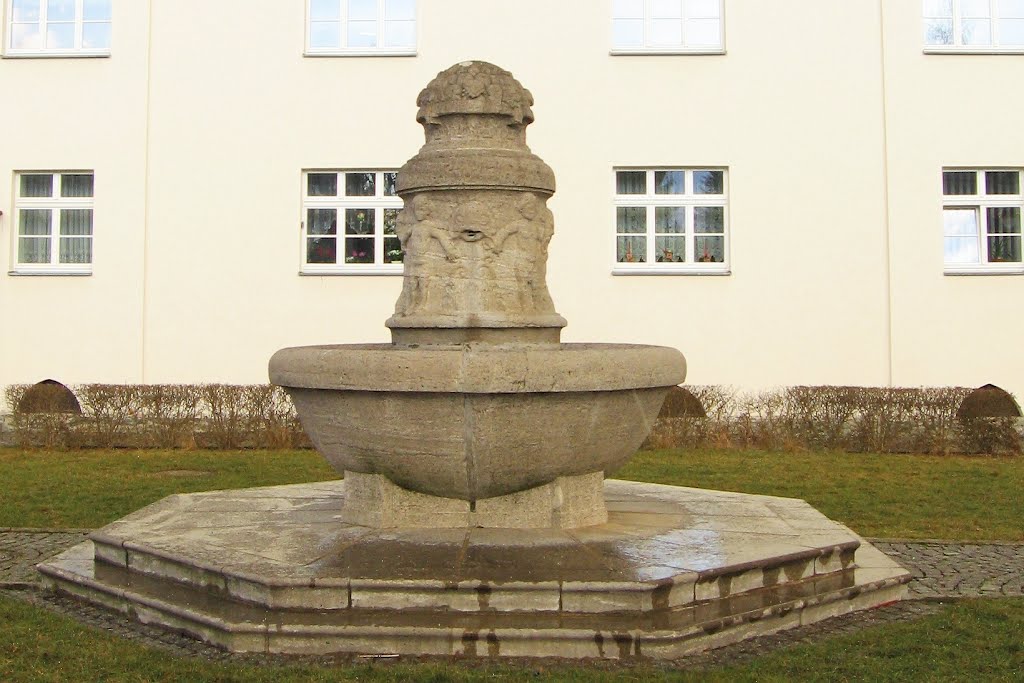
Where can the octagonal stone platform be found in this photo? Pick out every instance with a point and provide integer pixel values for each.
(675, 570)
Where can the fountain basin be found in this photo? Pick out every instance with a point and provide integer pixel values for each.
(477, 421)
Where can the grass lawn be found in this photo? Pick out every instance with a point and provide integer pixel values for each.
(907, 496)
(968, 641)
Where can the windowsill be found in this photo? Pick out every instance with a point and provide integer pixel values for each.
(372, 270)
(972, 50)
(49, 273)
(670, 270)
(361, 53)
(1009, 269)
(626, 52)
(57, 55)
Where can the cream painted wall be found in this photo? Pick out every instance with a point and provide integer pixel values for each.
(794, 110)
(948, 111)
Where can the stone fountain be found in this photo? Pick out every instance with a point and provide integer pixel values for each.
(474, 517)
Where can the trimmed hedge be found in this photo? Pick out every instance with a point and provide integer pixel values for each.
(156, 416)
(856, 419)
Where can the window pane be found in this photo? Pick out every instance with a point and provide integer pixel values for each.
(37, 185)
(33, 250)
(938, 8)
(1011, 32)
(359, 221)
(938, 32)
(959, 183)
(322, 221)
(400, 9)
(1004, 249)
(96, 36)
(628, 32)
(1011, 9)
(961, 250)
(362, 9)
(325, 10)
(666, 32)
(666, 9)
(75, 250)
(76, 222)
(975, 8)
(34, 222)
(389, 184)
(76, 185)
(26, 10)
(359, 250)
(703, 32)
(1002, 182)
(628, 9)
(321, 250)
(324, 34)
(26, 37)
(631, 249)
(60, 10)
(669, 182)
(362, 34)
(702, 8)
(96, 10)
(60, 36)
(322, 184)
(670, 249)
(390, 221)
(710, 250)
(393, 250)
(976, 32)
(708, 182)
(670, 219)
(709, 219)
(631, 219)
(360, 184)
(631, 182)
(1003, 219)
(399, 34)
(960, 221)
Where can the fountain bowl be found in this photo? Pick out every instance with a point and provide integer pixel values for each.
(476, 421)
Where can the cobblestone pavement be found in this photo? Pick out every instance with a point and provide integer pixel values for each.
(941, 570)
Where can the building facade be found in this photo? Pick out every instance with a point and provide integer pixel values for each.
(799, 192)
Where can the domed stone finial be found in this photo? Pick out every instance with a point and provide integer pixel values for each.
(475, 88)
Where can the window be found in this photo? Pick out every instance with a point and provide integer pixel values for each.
(59, 28)
(55, 222)
(349, 223)
(666, 26)
(671, 220)
(974, 25)
(981, 220)
(361, 27)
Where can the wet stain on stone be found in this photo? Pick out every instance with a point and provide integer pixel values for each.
(796, 570)
(725, 586)
(483, 597)
(599, 641)
(660, 594)
(493, 645)
(469, 640)
(624, 641)
(771, 576)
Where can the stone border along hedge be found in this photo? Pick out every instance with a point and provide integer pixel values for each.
(857, 419)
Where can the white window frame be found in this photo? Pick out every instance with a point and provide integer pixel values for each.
(378, 203)
(54, 204)
(958, 46)
(43, 51)
(649, 48)
(979, 203)
(344, 51)
(689, 200)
